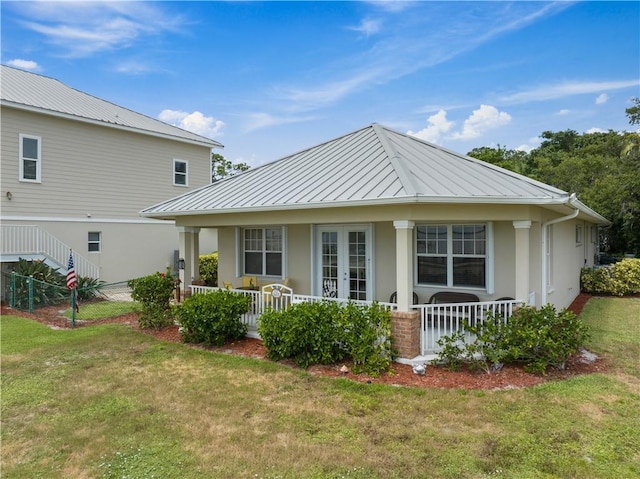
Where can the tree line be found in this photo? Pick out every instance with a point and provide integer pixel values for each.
(602, 168)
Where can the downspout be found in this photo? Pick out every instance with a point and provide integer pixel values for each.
(545, 273)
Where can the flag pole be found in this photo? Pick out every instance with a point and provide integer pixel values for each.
(72, 285)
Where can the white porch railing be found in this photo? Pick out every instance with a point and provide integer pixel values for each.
(30, 240)
(282, 299)
(438, 320)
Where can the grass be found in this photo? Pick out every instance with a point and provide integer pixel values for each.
(110, 402)
(102, 310)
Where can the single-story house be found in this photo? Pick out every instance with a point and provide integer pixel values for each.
(377, 213)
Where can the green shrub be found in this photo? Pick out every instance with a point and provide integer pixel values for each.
(88, 288)
(327, 332)
(154, 292)
(48, 285)
(367, 337)
(540, 338)
(308, 333)
(213, 318)
(209, 269)
(620, 279)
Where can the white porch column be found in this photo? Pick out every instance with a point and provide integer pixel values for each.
(190, 252)
(404, 263)
(522, 259)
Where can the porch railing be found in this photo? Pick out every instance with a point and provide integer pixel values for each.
(438, 320)
(265, 298)
(30, 240)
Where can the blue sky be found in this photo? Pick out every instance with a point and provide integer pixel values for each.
(267, 79)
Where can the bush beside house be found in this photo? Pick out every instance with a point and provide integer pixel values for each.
(619, 279)
(328, 332)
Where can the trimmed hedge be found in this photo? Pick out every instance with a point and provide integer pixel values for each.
(213, 318)
(327, 332)
(154, 292)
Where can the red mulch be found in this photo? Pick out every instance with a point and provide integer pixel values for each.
(400, 374)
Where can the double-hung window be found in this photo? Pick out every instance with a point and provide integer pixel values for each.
(94, 240)
(180, 173)
(30, 158)
(262, 249)
(452, 255)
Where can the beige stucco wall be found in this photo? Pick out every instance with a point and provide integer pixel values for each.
(568, 258)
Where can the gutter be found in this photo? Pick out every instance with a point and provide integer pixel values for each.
(545, 272)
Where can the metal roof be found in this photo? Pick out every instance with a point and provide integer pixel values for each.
(373, 165)
(30, 91)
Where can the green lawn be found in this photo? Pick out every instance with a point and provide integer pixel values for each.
(102, 310)
(107, 401)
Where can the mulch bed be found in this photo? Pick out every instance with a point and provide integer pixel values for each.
(511, 376)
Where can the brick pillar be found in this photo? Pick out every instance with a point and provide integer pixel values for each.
(405, 329)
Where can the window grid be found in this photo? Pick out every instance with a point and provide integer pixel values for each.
(180, 173)
(452, 255)
(94, 241)
(30, 159)
(263, 251)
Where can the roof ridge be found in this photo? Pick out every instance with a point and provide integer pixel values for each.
(403, 175)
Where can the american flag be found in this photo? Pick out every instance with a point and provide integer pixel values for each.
(72, 279)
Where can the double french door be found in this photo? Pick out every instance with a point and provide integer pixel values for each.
(344, 262)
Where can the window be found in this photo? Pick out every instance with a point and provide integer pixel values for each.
(30, 158)
(180, 173)
(579, 233)
(452, 255)
(94, 241)
(263, 251)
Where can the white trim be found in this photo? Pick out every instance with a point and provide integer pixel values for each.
(86, 220)
(488, 256)
(474, 200)
(205, 142)
(342, 262)
(186, 173)
(403, 224)
(21, 159)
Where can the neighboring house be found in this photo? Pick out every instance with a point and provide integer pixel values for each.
(376, 212)
(76, 170)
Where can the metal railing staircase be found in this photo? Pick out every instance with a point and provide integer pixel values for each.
(32, 242)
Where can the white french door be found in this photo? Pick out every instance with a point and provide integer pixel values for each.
(344, 262)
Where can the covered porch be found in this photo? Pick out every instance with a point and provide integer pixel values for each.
(416, 334)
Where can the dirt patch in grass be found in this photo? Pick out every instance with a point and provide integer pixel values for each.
(510, 377)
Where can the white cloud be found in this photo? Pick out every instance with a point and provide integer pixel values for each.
(483, 119)
(602, 99)
(561, 90)
(194, 122)
(24, 64)
(595, 130)
(437, 126)
(368, 27)
(263, 120)
(563, 112)
(82, 29)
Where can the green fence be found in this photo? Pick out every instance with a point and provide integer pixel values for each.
(100, 301)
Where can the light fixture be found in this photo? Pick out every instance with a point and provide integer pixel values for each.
(181, 263)
(9, 195)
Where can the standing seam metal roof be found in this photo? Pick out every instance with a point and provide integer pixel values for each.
(373, 165)
(30, 91)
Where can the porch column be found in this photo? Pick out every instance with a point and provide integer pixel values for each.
(522, 259)
(190, 252)
(404, 263)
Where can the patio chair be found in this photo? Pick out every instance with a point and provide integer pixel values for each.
(453, 297)
(394, 298)
(448, 297)
(250, 282)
